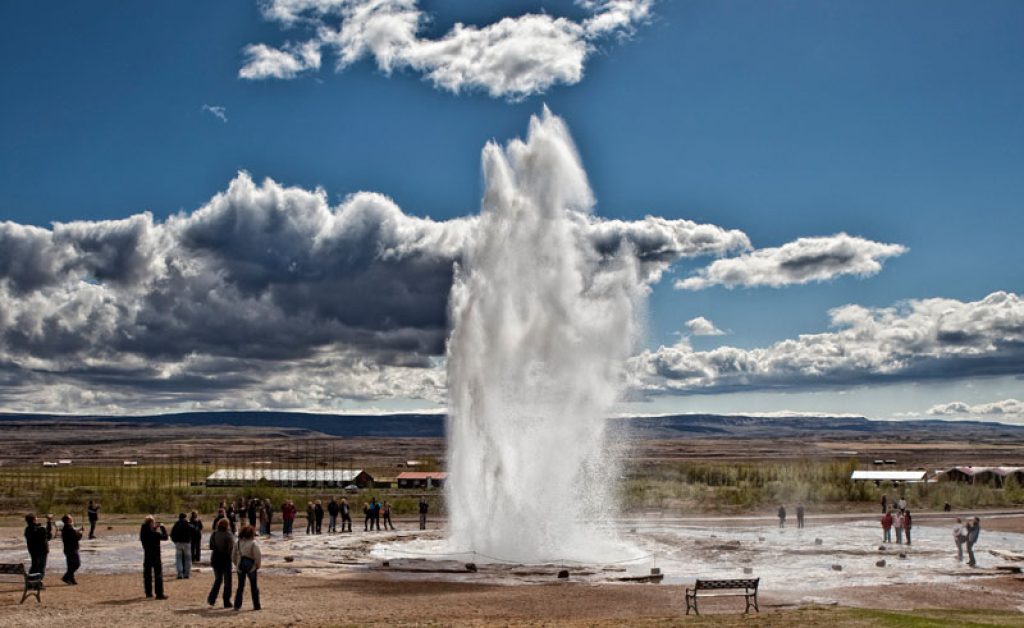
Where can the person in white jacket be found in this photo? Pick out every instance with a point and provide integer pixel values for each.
(247, 559)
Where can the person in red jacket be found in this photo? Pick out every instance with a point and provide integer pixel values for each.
(887, 527)
(288, 514)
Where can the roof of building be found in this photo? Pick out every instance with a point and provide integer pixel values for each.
(972, 471)
(285, 475)
(423, 475)
(890, 476)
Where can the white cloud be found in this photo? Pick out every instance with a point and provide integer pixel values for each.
(511, 58)
(919, 339)
(264, 62)
(701, 326)
(802, 261)
(217, 111)
(1005, 409)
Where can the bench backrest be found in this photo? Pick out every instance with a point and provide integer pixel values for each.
(12, 568)
(742, 583)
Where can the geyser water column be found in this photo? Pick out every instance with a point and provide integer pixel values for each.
(542, 326)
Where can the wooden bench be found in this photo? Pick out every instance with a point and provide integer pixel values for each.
(33, 581)
(746, 587)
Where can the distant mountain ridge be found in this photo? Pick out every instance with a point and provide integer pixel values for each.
(692, 426)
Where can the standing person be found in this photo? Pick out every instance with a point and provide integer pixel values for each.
(195, 525)
(270, 516)
(367, 517)
(885, 504)
(424, 508)
(346, 515)
(782, 516)
(37, 538)
(959, 536)
(887, 527)
(973, 532)
(71, 537)
(93, 511)
(907, 523)
(375, 513)
(252, 509)
(150, 535)
(181, 536)
(288, 516)
(263, 519)
(222, 545)
(897, 523)
(221, 514)
(232, 514)
(247, 559)
(332, 512)
(799, 515)
(318, 515)
(310, 517)
(901, 505)
(386, 511)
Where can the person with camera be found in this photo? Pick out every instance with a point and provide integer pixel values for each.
(150, 535)
(37, 537)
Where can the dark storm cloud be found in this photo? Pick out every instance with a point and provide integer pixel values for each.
(269, 278)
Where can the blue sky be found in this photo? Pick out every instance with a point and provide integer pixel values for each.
(898, 123)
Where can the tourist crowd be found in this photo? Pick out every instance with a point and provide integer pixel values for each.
(232, 541)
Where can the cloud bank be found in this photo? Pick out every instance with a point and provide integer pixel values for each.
(918, 339)
(265, 296)
(511, 58)
(802, 261)
(1005, 409)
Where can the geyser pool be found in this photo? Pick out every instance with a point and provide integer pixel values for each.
(542, 326)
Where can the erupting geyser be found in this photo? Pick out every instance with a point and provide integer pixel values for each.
(542, 326)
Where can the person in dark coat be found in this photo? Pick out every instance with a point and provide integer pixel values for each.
(424, 508)
(253, 510)
(782, 516)
(222, 544)
(799, 515)
(150, 535)
(37, 538)
(332, 512)
(93, 510)
(196, 524)
(318, 515)
(232, 516)
(70, 536)
(181, 536)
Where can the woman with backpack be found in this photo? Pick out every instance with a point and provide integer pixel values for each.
(247, 559)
